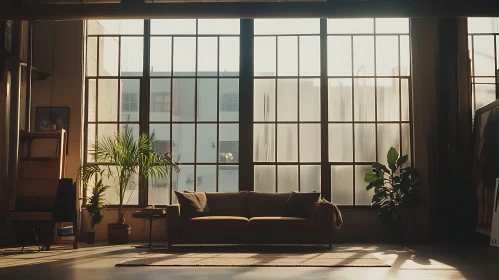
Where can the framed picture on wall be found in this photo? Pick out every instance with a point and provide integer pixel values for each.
(49, 119)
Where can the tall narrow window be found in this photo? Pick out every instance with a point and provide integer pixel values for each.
(287, 138)
(483, 43)
(369, 93)
(194, 109)
(114, 65)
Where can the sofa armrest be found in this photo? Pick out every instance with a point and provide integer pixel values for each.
(172, 223)
(327, 213)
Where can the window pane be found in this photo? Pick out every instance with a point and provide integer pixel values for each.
(90, 141)
(287, 56)
(207, 143)
(339, 56)
(310, 143)
(483, 25)
(228, 149)
(207, 99)
(405, 56)
(265, 178)
(287, 26)
(404, 85)
(183, 142)
(365, 142)
(363, 55)
(218, 26)
(108, 56)
(287, 142)
(183, 180)
(173, 26)
(160, 100)
(310, 100)
(107, 104)
(91, 56)
(310, 178)
(264, 95)
(118, 27)
(159, 191)
(406, 142)
(206, 178)
(362, 197)
(388, 99)
(340, 143)
(340, 99)
(228, 178)
(287, 178)
(92, 99)
(161, 134)
(229, 100)
(388, 136)
(484, 94)
(106, 130)
(342, 185)
(287, 100)
(265, 56)
(130, 90)
(184, 56)
(310, 56)
(229, 56)
(484, 56)
(350, 26)
(132, 49)
(207, 56)
(161, 56)
(387, 56)
(364, 96)
(263, 143)
(183, 100)
(392, 25)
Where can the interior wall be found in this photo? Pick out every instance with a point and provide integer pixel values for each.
(65, 40)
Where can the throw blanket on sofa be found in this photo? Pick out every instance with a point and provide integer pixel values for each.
(323, 206)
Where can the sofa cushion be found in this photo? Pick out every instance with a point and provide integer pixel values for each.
(282, 223)
(193, 204)
(266, 204)
(228, 204)
(216, 222)
(301, 204)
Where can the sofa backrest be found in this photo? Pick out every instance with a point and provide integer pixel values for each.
(266, 204)
(228, 204)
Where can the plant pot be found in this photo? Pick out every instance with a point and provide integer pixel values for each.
(118, 233)
(90, 237)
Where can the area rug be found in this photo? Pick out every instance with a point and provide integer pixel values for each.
(323, 259)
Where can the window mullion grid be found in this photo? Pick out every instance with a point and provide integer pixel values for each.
(196, 109)
(353, 117)
(144, 102)
(324, 117)
(400, 97)
(496, 72)
(275, 113)
(298, 111)
(171, 120)
(217, 167)
(473, 73)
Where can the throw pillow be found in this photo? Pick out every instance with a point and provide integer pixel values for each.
(301, 204)
(192, 204)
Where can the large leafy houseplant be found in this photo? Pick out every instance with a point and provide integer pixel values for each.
(120, 157)
(95, 207)
(394, 186)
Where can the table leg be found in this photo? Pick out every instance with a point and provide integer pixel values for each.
(150, 238)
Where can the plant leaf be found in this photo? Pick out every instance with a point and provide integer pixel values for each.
(391, 158)
(376, 183)
(380, 167)
(402, 160)
(370, 176)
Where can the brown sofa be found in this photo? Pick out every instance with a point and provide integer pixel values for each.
(250, 218)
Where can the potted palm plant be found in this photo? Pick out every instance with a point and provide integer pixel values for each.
(95, 208)
(118, 158)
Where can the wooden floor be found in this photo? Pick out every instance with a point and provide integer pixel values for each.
(97, 262)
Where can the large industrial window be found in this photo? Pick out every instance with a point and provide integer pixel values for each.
(483, 43)
(329, 97)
